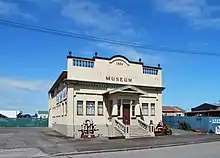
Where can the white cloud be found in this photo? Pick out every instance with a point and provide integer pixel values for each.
(199, 13)
(18, 84)
(12, 9)
(93, 16)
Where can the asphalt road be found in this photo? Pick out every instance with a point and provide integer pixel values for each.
(35, 142)
(204, 150)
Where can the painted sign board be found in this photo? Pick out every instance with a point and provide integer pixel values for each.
(217, 130)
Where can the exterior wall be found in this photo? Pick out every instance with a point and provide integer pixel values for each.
(117, 67)
(153, 98)
(66, 120)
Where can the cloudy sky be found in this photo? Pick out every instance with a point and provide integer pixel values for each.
(30, 61)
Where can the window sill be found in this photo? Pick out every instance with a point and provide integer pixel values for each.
(101, 115)
(79, 115)
(120, 117)
(152, 115)
(133, 117)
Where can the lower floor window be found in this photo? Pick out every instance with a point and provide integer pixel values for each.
(133, 110)
(100, 108)
(79, 107)
(66, 108)
(145, 108)
(152, 109)
(133, 107)
(90, 107)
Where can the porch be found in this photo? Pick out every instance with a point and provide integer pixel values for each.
(125, 113)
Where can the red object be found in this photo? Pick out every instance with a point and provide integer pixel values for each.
(172, 109)
(126, 115)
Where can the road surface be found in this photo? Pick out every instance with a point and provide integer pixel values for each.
(204, 150)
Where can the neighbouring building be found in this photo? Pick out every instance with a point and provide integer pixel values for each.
(113, 92)
(205, 109)
(9, 113)
(42, 114)
(172, 111)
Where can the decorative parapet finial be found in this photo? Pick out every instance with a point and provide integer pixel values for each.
(158, 65)
(139, 59)
(96, 54)
(70, 54)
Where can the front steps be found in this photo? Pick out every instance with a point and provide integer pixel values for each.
(137, 132)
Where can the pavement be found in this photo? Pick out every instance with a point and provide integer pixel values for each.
(204, 150)
(44, 142)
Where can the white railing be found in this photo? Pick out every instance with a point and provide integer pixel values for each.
(143, 124)
(146, 127)
(121, 127)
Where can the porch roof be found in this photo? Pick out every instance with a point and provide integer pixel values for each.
(127, 89)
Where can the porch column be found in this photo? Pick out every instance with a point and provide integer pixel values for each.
(114, 109)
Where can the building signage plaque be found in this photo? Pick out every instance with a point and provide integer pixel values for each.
(118, 79)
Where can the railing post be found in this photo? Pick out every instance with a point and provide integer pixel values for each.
(127, 132)
(113, 126)
(151, 129)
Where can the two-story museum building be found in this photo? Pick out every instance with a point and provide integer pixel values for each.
(112, 92)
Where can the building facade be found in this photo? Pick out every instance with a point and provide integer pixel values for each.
(113, 93)
(205, 109)
(173, 111)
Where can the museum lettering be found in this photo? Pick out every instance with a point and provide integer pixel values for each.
(118, 79)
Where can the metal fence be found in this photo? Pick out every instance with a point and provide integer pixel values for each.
(23, 122)
(196, 122)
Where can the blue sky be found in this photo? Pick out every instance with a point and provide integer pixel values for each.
(31, 61)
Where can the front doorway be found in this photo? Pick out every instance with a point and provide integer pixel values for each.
(126, 114)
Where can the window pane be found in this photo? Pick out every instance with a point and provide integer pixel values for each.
(119, 107)
(119, 110)
(133, 110)
(145, 108)
(79, 107)
(66, 108)
(90, 108)
(100, 108)
(152, 109)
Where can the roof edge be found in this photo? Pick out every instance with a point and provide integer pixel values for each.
(62, 75)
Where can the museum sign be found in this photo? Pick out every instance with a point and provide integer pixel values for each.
(118, 79)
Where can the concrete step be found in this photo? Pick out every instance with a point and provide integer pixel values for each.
(137, 132)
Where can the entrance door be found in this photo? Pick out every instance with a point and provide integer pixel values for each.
(126, 114)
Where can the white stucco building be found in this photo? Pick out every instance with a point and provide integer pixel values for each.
(121, 97)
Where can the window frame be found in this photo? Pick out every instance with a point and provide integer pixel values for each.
(100, 107)
(119, 105)
(143, 109)
(154, 105)
(93, 106)
(133, 105)
(77, 107)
